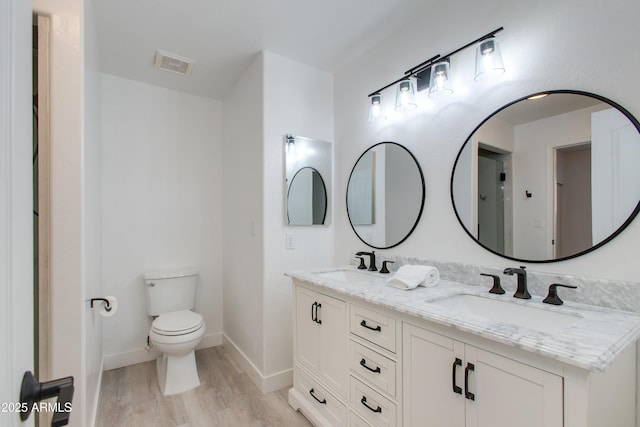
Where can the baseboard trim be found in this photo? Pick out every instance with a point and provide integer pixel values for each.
(140, 355)
(265, 384)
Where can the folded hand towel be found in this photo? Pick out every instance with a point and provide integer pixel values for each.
(411, 276)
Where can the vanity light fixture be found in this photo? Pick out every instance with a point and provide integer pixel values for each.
(406, 96)
(375, 110)
(440, 84)
(435, 74)
(290, 140)
(488, 59)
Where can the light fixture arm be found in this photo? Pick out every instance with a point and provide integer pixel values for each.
(426, 64)
(401, 78)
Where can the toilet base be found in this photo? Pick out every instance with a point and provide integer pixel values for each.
(177, 373)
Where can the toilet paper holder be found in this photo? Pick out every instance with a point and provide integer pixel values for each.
(107, 305)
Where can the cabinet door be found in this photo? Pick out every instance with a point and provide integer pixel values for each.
(332, 314)
(430, 373)
(307, 329)
(508, 393)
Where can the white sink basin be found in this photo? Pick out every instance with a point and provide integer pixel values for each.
(347, 276)
(539, 319)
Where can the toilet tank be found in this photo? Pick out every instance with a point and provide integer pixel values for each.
(170, 290)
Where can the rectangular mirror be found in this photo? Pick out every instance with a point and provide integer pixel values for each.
(307, 193)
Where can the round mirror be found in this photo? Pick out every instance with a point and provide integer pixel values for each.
(306, 198)
(549, 177)
(385, 195)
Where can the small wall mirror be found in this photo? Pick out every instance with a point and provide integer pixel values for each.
(307, 180)
(385, 195)
(549, 177)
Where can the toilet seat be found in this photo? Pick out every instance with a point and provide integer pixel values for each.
(177, 323)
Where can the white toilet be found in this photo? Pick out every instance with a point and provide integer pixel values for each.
(176, 330)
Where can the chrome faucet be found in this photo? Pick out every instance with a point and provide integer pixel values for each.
(372, 259)
(522, 291)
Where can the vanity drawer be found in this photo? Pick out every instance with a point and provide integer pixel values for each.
(371, 405)
(374, 327)
(356, 421)
(332, 409)
(374, 368)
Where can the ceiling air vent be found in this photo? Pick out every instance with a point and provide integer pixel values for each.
(172, 63)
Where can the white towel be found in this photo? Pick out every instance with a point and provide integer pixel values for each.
(412, 276)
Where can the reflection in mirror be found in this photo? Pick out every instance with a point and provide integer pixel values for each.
(306, 198)
(385, 195)
(550, 178)
(307, 180)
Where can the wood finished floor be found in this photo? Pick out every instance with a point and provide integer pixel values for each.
(130, 396)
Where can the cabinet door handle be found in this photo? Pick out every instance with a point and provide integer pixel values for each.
(456, 388)
(317, 307)
(364, 402)
(364, 325)
(470, 367)
(323, 401)
(314, 312)
(363, 363)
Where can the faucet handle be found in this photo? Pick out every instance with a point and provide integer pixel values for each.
(552, 297)
(384, 268)
(496, 289)
(362, 265)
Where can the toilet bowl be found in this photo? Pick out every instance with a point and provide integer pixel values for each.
(176, 329)
(176, 334)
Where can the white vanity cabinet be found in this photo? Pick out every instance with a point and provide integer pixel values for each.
(321, 378)
(448, 383)
(360, 363)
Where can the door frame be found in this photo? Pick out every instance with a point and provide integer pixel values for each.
(43, 236)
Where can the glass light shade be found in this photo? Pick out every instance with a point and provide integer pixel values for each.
(406, 96)
(439, 83)
(375, 109)
(488, 60)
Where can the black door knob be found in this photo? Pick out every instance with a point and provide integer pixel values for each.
(33, 391)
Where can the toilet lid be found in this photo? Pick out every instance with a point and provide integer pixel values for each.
(177, 323)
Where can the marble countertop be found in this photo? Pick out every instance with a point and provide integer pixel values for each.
(592, 342)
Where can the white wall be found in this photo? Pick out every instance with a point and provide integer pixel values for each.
(243, 228)
(92, 206)
(538, 37)
(298, 100)
(162, 187)
(273, 97)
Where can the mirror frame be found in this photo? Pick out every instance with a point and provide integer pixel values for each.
(324, 187)
(421, 203)
(316, 154)
(619, 230)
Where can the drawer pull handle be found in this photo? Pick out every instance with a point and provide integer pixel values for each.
(456, 388)
(470, 367)
(363, 363)
(314, 312)
(364, 325)
(323, 401)
(364, 402)
(319, 321)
